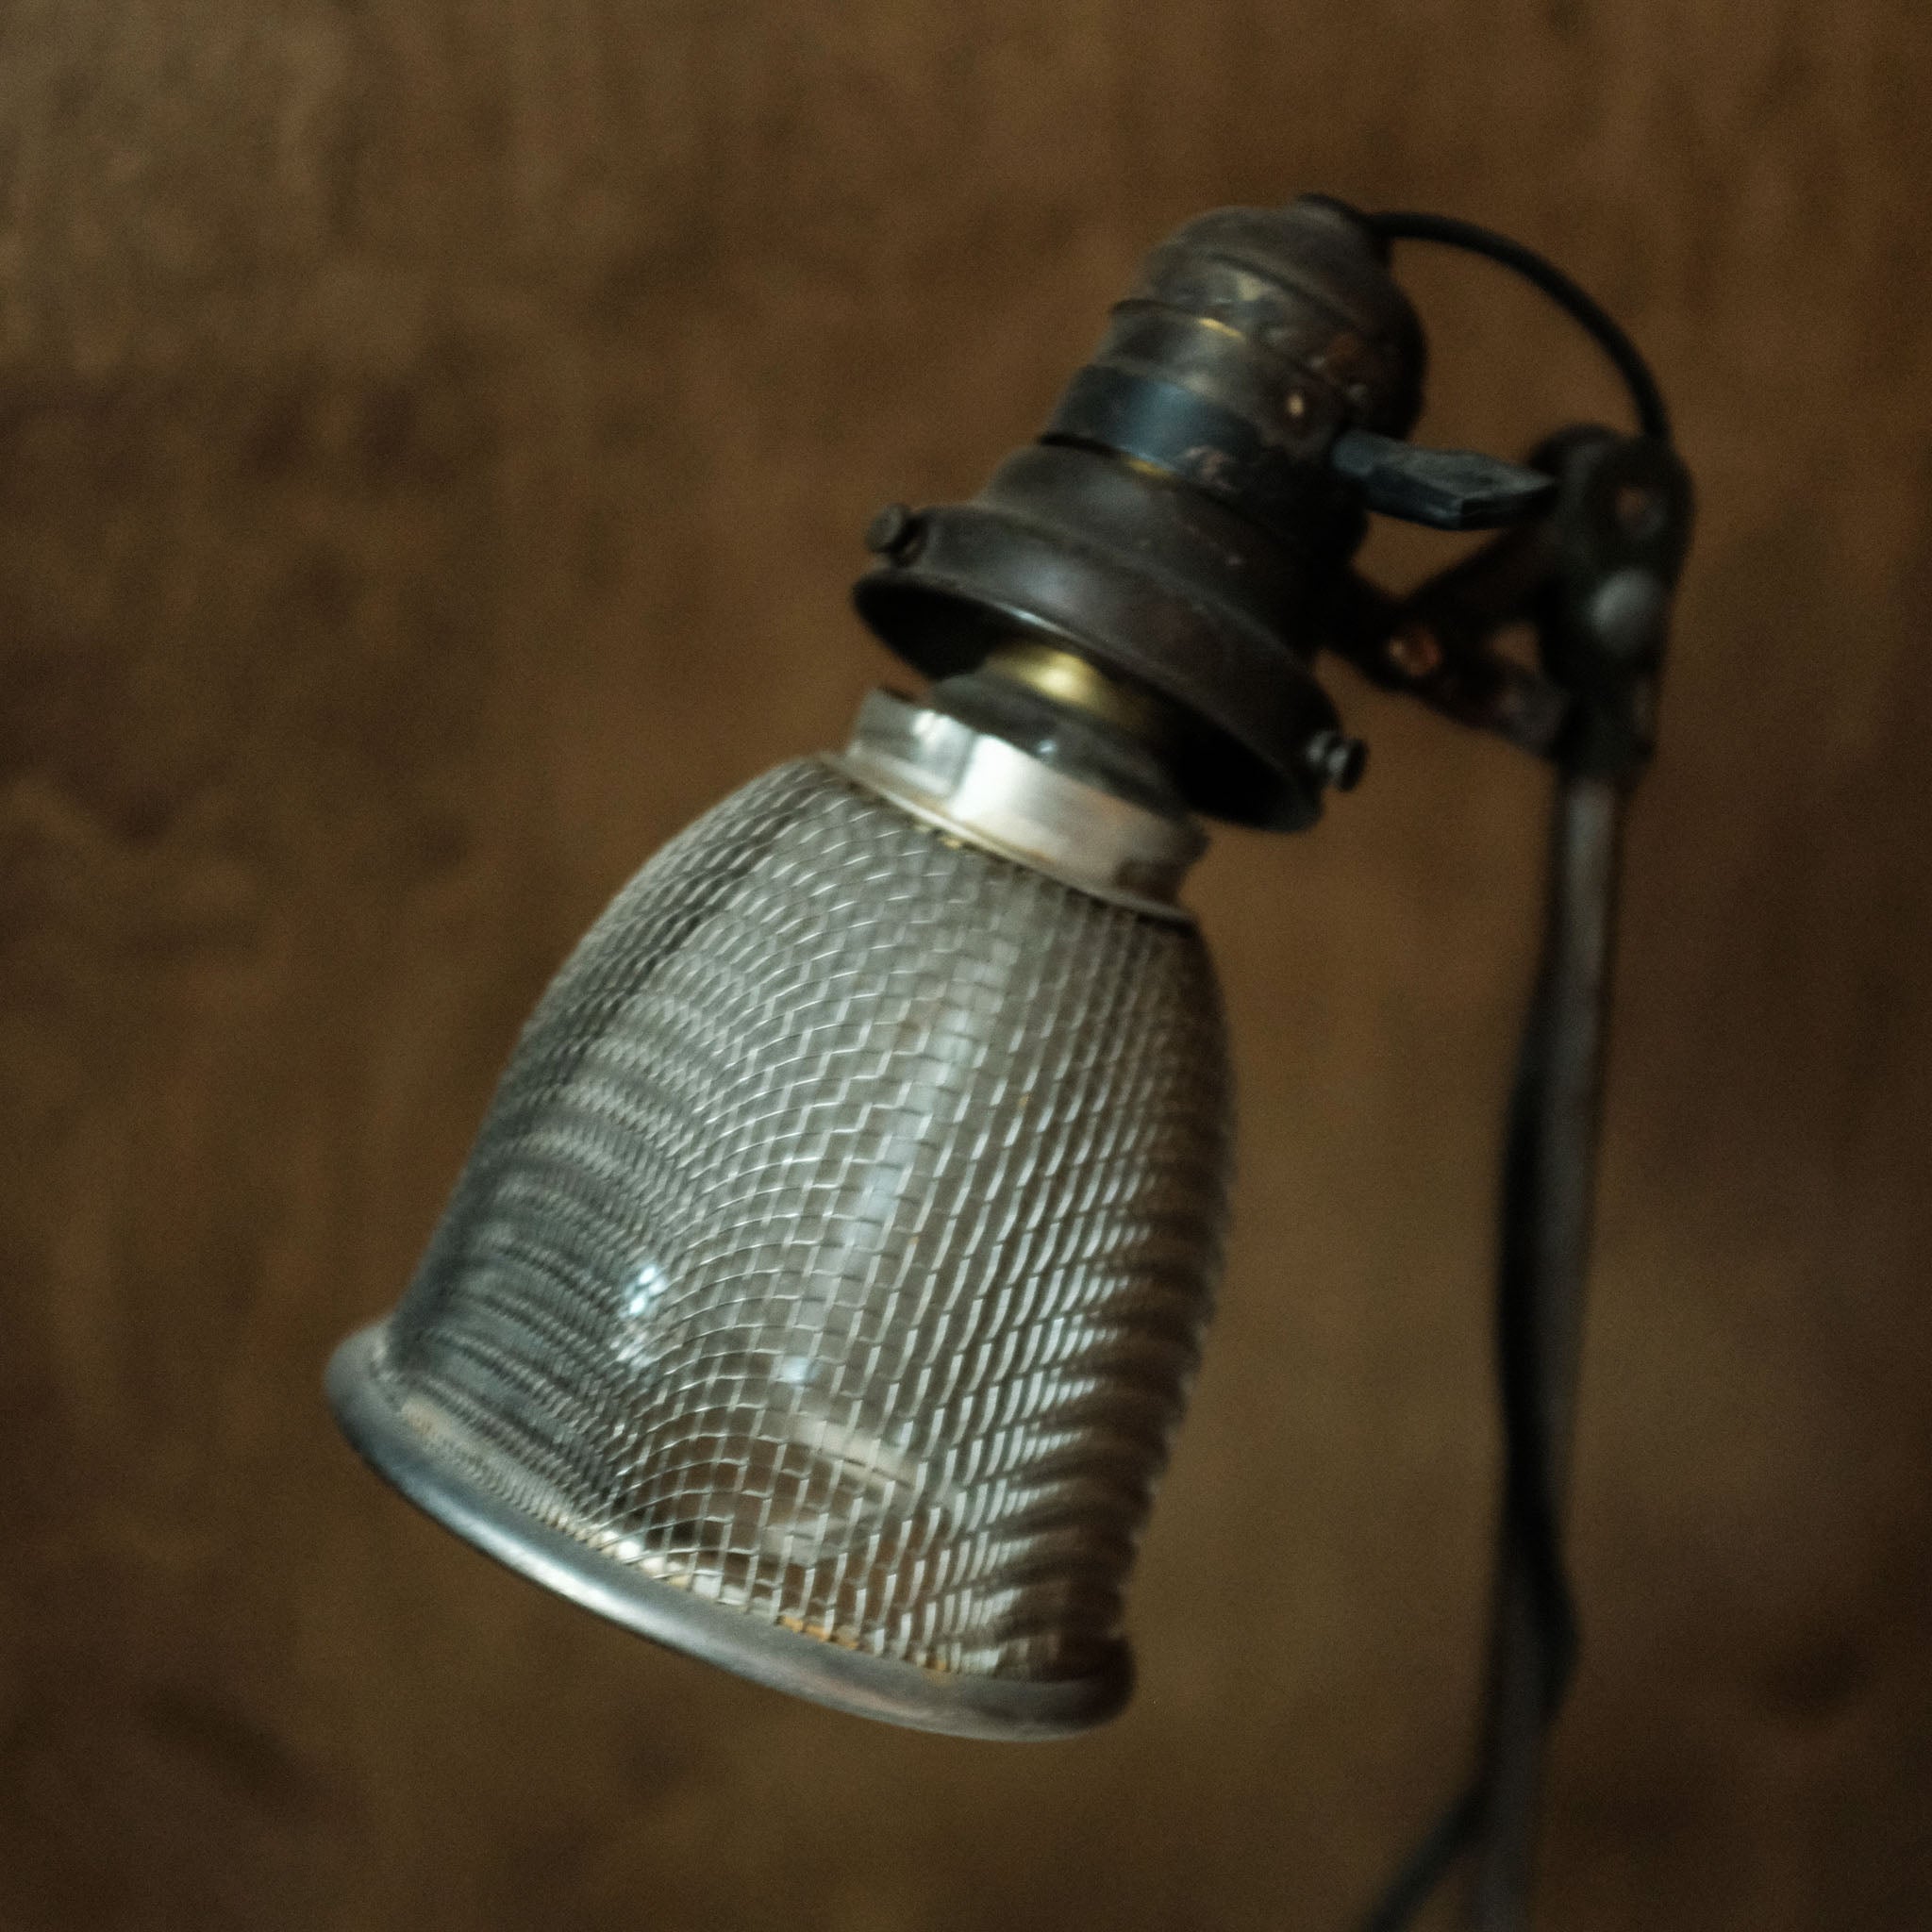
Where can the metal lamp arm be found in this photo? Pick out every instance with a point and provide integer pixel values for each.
(1593, 579)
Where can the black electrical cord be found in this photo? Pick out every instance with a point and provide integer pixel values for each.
(1579, 304)
(1531, 1530)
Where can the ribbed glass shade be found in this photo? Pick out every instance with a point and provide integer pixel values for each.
(827, 1281)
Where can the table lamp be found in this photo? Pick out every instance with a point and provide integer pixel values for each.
(825, 1287)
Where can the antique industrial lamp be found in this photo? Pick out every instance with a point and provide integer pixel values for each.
(826, 1284)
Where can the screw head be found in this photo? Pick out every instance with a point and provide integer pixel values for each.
(894, 533)
(1415, 649)
(1337, 759)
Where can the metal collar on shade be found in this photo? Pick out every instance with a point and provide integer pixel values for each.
(981, 789)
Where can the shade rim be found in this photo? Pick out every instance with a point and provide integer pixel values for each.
(803, 1666)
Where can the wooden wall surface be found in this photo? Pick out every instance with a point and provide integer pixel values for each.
(433, 435)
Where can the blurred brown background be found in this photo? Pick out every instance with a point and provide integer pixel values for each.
(433, 440)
